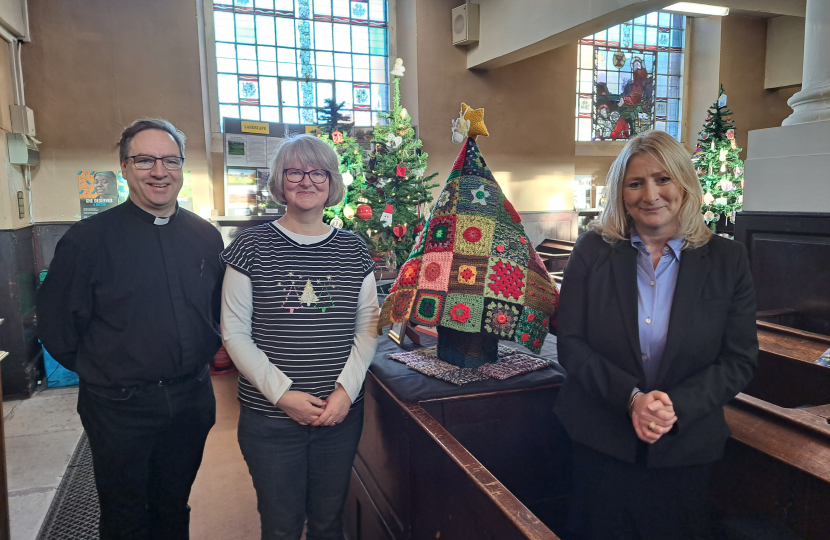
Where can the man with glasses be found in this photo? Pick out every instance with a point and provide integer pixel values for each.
(131, 303)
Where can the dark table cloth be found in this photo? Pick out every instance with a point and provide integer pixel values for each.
(410, 386)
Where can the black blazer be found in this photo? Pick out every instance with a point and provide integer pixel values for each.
(710, 355)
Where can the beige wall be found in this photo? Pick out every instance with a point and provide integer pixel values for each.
(785, 52)
(11, 176)
(529, 112)
(91, 69)
(743, 58)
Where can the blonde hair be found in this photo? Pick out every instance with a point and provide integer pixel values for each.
(311, 152)
(614, 224)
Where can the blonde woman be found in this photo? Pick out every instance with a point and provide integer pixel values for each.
(657, 333)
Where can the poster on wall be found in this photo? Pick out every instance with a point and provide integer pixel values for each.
(102, 190)
(242, 192)
(98, 191)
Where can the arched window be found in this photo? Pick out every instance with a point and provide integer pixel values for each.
(279, 59)
(629, 79)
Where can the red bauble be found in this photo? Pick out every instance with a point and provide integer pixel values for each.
(419, 227)
(364, 212)
(399, 230)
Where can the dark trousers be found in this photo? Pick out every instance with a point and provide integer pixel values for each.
(613, 500)
(147, 444)
(300, 472)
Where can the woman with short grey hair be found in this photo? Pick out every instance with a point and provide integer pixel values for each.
(299, 309)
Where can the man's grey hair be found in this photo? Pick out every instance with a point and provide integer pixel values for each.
(311, 152)
(149, 123)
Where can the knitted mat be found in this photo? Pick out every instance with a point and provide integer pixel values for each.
(510, 364)
(74, 512)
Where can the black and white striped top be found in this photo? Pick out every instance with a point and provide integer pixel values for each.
(305, 299)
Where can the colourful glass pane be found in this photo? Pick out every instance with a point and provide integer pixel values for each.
(280, 59)
(265, 30)
(377, 40)
(245, 32)
(629, 78)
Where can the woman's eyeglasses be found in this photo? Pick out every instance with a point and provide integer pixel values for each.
(317, 176)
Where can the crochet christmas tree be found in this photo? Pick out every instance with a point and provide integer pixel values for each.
(473, 272)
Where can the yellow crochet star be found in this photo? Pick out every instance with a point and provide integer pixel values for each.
(476, 118)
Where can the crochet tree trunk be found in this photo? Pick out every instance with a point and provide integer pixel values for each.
(395, 189)
(720, 168)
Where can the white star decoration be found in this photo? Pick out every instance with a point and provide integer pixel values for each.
(480, 195)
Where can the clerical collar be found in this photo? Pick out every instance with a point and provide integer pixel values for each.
(147, 216)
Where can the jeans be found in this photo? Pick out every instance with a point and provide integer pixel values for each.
(147, 444)
(300, 472)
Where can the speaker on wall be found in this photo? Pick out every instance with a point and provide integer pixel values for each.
(465, 22)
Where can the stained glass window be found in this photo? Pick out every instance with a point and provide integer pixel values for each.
(279, 59)
(629, 79)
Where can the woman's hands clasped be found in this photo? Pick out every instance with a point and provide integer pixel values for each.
(337, 407)
(652, 415)
(306, 409)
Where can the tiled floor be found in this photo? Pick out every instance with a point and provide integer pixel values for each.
(41, 434)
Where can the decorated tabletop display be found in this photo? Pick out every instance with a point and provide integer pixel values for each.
(473, 272)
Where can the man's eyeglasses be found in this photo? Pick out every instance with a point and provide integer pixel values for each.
(317, 176)
(171, 163)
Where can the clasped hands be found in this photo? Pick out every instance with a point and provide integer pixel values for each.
(308, 410)
(653, 409)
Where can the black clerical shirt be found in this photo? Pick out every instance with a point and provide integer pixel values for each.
(131, 299)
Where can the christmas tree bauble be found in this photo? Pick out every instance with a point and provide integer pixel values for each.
(364, 212)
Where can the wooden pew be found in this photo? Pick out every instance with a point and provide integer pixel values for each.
(494, 465)
(555, 253)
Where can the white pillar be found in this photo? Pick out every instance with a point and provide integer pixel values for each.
(812, 103)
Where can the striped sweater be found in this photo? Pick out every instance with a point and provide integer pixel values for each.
(304, 306)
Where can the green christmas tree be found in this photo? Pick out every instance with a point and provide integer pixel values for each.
(395, 188)
(336, 133)
(719, 166)
(332, 119)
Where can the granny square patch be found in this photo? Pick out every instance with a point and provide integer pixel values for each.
(441, 234)
(468, 274)
(477, 196)
(510, 244)
(541, 295)
(474, 234)
(428, 308)
(474, 164)
(420, 242)
(435, 271)
(463, 312)
(501, 318)
(410, 271)
(402, 305)
(531, 330)
(505, 280)
(534, 262)
(447, 200)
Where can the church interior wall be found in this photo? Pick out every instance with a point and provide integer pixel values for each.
(92, 68)
(89, 52)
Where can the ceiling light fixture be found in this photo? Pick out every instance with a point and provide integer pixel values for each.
(697, 10)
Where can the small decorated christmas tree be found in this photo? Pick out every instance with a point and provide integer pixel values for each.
(396, 193)
(336, 133)
(719, 167)
(308, 296)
